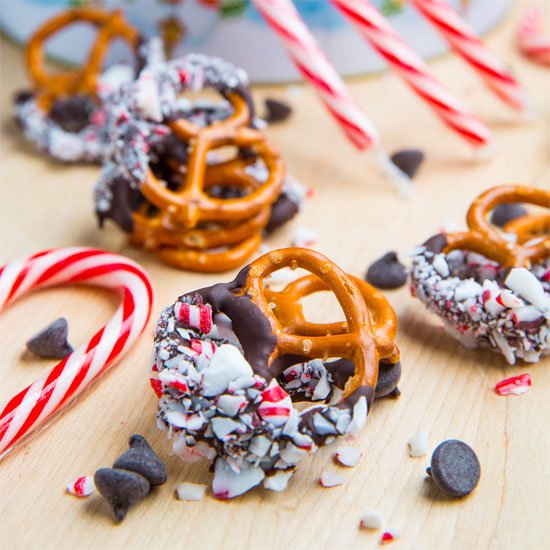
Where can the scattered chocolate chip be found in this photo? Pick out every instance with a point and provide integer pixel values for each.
(506, 212)
(277, 111)
(141, 459)
(388, 377)
(121, 489)
(408, 160)
(72, 113)
(387, 272)
(282, 211)
(455, 468)
(52, 341)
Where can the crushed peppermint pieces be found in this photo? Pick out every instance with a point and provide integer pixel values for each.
(330, 479)
(190, 491)
(516, 385)
(418, 445)
(304, 237)
(482, 304)
(389, 536)
(215, 407)
(371, 519)
(347, 456)
(82, 486)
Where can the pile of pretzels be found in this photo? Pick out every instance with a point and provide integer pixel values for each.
(194, 181)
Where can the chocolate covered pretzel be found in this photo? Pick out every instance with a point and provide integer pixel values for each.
(231, 359)
(491, 287)
(168, 179)
(63, 114)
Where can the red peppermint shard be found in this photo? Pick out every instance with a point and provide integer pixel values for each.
(156, 385)
(386, 538)
(515, 385)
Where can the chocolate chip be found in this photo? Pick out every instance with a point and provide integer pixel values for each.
(455, 468)
(141, 459)
(506, 212)
(277, 111)
(72, 113)
(121, 489)
(52, 341)
(282, 210)
(388, 377)
(408, 160)
(387, 272)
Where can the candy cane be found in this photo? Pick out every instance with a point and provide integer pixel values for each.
(531, 39)
(306, 54)
(32, 406)
(462, 39)
(385, 40)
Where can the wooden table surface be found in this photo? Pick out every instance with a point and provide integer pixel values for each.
(447, 390)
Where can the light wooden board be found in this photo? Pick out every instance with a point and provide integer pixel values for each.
(447, 390)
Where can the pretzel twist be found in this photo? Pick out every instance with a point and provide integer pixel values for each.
(357, 339)
(110, 25)
(531, 226)
(485, 239)
(190, 205)
(191, 225)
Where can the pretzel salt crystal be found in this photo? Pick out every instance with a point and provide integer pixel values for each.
(486, 240)
(110, 25)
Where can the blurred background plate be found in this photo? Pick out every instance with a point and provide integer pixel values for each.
(234, 30)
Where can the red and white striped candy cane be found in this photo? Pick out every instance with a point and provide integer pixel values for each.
(31, 407)
(531, 38)
(462, 39)
(412, 68)
(312, 63)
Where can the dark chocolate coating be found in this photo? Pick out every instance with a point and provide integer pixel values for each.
(51, 342)
(437, 243)
(387, 272)
(72, 113)
(408, 161)
(125, 200)
(141, 459)
(455, 468)
(121, 489)
(282, 211)
(250, 325)
(506, 212)
(388, 378)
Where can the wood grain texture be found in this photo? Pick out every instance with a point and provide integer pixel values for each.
(447, 390)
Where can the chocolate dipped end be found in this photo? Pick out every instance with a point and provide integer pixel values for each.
(249, 324)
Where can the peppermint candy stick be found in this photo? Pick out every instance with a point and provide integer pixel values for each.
(312, 63)
(461, 38)
(411, 67)
(531, 39)
(31, 407)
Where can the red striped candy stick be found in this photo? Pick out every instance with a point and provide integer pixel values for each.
(312, 63)
(31, 407)
(461, 38)
(532, 40)
(411, 67)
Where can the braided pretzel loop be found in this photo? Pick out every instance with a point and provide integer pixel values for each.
(357, 339)
(190, 204)
(531, 226)
(485, 239)
(110, 25)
